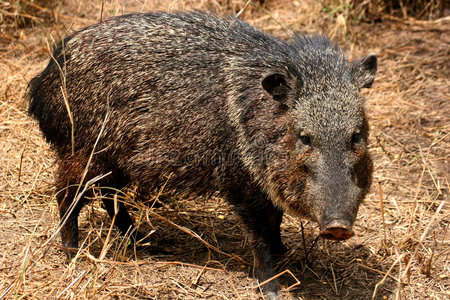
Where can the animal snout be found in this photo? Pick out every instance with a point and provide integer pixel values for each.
(337, 230)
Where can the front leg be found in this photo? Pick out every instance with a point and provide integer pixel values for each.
(262, 221)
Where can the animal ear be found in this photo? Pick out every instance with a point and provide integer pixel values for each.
(363, 71)
(277, 86)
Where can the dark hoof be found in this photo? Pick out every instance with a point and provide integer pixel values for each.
(156, 250)
(138, 238)
(270, 290)
(71, 253)
(273, 296)
(143, 243)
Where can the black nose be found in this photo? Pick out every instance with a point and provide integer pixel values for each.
(337, 230)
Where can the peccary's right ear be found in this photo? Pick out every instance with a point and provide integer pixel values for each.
(363, 71)
(277, 86)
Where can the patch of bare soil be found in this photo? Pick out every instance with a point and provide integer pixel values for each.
(198, 249)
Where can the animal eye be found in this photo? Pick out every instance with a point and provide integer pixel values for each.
(356, 138)
(306, 140)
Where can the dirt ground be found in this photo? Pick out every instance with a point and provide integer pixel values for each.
(198, 248)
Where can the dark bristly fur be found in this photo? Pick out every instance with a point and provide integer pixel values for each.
(217, 105)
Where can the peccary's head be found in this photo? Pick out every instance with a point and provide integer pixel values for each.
(319, 165)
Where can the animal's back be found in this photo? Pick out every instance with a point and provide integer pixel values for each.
(162, 78)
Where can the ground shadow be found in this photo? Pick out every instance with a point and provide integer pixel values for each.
(326, 270)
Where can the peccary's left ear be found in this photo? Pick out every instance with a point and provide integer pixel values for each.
(276, 84)
(363, 71)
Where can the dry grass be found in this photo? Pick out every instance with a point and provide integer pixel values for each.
(199, 250)
(377, 9)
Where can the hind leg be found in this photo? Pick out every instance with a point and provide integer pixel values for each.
(68, 179)
(121, 218)
(69, 226)
(119, 215)
(70, 174)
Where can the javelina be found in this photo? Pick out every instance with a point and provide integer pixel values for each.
(280, 124)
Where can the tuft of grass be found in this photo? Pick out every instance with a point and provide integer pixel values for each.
(19, 14)
(370, 11)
